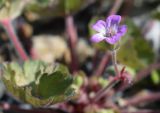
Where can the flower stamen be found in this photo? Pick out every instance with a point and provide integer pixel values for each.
(110, 31)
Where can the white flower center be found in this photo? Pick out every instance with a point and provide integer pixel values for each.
(111, 31)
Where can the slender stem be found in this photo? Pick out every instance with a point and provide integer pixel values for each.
(114, 61)
(144, 73)
(8, 108)
(94, 60)
(136, 100)
(141, 111)
(102, 66)
(127, 7)
(72, 35)
(14, 39)
(103, 91)
(116, 6)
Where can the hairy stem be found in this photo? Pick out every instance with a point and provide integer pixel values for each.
(8, 108)
(102, 66)
(144, 73)
(141, 111)
(103, 91)
(136, 100)
(116, 6)
(114, 61)
(14, 39)
(72, 37)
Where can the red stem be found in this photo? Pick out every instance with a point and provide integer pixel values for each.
(143, 73)
(72, 35)
(14, 39)
(8, 108)
(116, 6)
(127, 7)
(94, 60)
(114, 62)
(102, 66)
(104, 90)
(142, 99)
(141, 111)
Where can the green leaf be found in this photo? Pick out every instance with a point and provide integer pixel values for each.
(135, 51)
(18, 92)
(59, 7)
(106, 111)
(26, 74)
(38, 102)
(38, 83)
(30, 70)
(7, 71)
(44, 2)
(156, 14)
(103, 82)
(79, 80)
(127, 55)
(30, 67)
(63, 69)
(155, 76)
(54, 84)
(73, 5)
(9, 9)
(144, 51)
(110, 70)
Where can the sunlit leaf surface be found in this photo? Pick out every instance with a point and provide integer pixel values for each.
(38, 83)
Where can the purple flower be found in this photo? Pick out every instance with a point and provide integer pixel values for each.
(110, 31)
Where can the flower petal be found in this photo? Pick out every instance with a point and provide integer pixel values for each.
(113, 19)
(122, 30)
(114, 39)
(97, 37)
(100, 26)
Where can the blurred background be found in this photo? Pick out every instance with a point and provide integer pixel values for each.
(59, 31)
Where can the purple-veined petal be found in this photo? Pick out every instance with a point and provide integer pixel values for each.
(122, 30)
(113, 19)
(100, 26)
(97, 37)
(114, 39)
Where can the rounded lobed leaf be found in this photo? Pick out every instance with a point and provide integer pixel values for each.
(38, 83)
